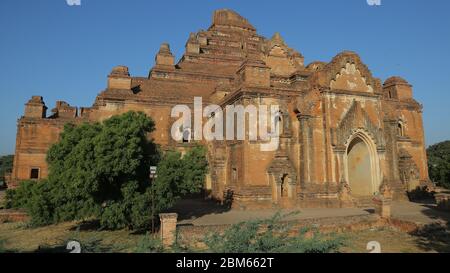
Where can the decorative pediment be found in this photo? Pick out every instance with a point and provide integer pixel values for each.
(356, 119)
(346, 71)
(282, 60)
(350, 78)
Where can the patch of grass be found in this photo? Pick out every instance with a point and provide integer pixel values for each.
(18, 237)
(90, 245)
(272, 236)
(2, 246)
(54, 238)
(390, 239)
(149, 244)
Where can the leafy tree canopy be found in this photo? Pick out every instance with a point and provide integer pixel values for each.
(439, 163)
(180, 175)
(6, 165)
(102, 170)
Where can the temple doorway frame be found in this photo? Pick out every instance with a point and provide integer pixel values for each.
(374, 159)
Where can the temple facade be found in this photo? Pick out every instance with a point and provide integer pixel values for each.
(344, 133)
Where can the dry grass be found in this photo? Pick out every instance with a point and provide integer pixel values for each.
(391, 241)
(19, 238)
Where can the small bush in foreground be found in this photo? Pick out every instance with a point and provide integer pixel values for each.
(149, 244)
(2, 246)
(272, 236)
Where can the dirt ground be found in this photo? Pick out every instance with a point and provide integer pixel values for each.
(433, 236)
(391, 241)
(17, 237)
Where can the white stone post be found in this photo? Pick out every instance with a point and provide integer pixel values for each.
(168, 229)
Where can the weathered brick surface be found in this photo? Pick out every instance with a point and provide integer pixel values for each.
(168, 228)
(12, 216)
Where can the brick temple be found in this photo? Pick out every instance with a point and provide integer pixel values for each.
(345, 133)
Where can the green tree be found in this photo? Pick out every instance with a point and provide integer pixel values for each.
(106, 166)
(439, 163)
(195, 166)
(102, 170)
(6, 165)
(179, 175)
(99, 170)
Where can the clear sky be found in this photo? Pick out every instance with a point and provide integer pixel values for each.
(64, 52)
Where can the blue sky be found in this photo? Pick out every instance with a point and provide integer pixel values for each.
(65, 52)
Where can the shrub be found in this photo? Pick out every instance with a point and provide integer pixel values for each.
(271, 236)
(180, 175)
(149, 244)
(95, 170)
(20, 197)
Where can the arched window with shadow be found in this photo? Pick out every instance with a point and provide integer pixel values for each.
(400, 129)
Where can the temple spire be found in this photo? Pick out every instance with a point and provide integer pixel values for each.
(277, 39)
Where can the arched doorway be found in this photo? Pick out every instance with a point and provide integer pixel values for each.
(359, 169)
(362, 166)
(283, 194)
(283, 180)
(284, 191)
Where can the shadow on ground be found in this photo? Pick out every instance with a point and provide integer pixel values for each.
(192, 208)
(434, 237)
(89, 225)
(88, 246)
(189, 208)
